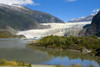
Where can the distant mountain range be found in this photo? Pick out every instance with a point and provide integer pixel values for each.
(23, 18)
(83, 19)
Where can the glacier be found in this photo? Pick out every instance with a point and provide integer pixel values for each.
(60, 29)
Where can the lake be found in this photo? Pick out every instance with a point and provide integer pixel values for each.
(16, 49)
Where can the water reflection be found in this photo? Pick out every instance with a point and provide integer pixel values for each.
(67, 62)
(68, 58)
(12, 49)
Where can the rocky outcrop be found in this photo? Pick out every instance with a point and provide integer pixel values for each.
(84, 50)
(98, 52)
(94, 28)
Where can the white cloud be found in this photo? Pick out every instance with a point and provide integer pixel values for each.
(70, 0)
(20, 2)
(96, 10)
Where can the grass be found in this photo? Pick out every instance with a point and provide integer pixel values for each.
(6, 34)
(4, 62)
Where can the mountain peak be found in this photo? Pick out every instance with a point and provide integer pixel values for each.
(83, 19)
(13, 5)
(16, 5)
(23, 18)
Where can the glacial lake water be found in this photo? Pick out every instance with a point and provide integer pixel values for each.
(16, 49)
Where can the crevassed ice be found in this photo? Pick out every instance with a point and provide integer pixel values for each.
(56, 29)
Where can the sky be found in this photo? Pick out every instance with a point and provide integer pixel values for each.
(63, 9)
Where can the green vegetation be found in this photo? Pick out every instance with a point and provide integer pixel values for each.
(4, 62)
(91, 43)
(16, 20)
(24, 19)
(5, 34)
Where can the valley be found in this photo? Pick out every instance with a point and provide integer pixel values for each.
(60, 29)
(44, 34)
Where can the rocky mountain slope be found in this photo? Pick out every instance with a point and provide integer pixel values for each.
(83, 19)
(94, 28)
(23, 18)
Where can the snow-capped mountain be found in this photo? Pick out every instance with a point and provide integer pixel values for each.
(15, 7)
(83, 19)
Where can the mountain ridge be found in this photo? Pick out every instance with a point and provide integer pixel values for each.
(23, 18)
(83, 19)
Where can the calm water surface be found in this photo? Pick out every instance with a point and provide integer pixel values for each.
(16, 49)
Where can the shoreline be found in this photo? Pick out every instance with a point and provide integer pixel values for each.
(35, 46)
(36, 65)
(88, 45)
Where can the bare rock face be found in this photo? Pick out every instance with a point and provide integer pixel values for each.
(98, 52)
(84, 50)
(94, 28)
